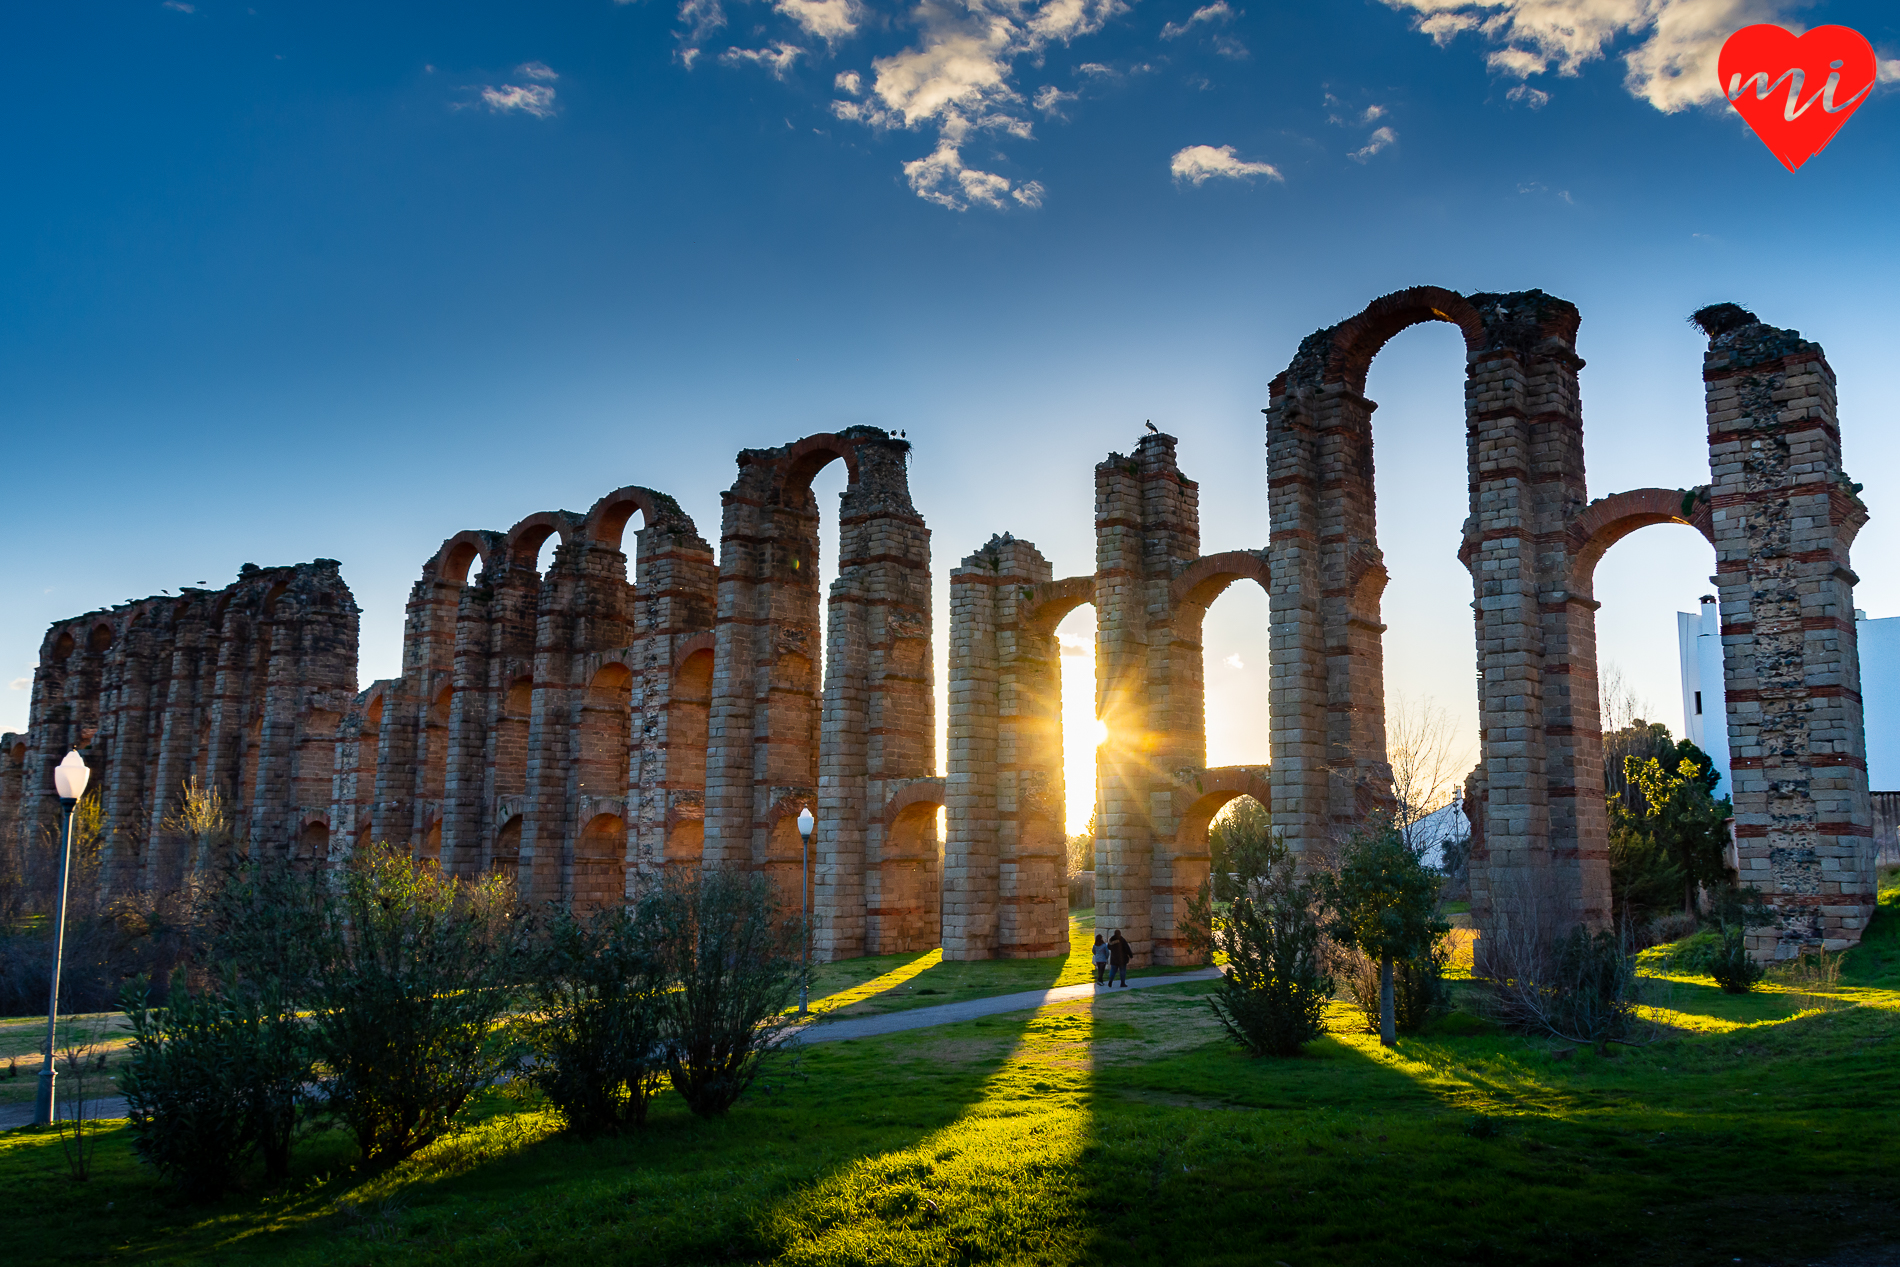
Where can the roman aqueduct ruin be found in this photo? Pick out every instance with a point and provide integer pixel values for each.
(633, 709)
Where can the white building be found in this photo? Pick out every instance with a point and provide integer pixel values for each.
(1704, 711)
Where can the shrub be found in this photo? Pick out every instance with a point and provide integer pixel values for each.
(1383, 901)
(414, 969)
(597, 1039)
(209, 1082)
(1274, 995)
(733, 967)
(1734, 969)
(1584, 990)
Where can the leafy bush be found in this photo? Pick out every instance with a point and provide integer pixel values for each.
(1692, 955)
(1584, 990)
(210, 1081)
(1383, 900)
(597, 1038)
(733, 967)
(1734, 969)
(412, 973)
(1266, 921)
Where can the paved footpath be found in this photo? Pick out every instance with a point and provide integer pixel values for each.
(944, 1014)
(15, 1115)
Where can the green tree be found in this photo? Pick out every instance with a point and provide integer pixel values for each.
(1259, 912)
(1384, 901)
(1681, 817)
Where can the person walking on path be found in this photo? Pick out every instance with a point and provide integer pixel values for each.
(1119, 954)
(1101, 957)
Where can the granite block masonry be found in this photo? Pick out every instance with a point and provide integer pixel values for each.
(586, 728)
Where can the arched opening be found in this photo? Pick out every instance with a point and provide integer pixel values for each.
(435, 739)
(544, 555)
(507, 856)
(1232, 801)
(100, 639)
(1421, 592)
(1236, 683)
(606, 714)
(686, 758)
(600, 863)
(368, 741)
(312, 850)
(511, 740)
(63, 646)
(906, 911)
(316, 759)
(1082, 731)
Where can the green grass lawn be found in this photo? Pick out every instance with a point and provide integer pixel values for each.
(1121, 1128)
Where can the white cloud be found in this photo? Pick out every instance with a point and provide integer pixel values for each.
(1216, 12)
(1198, 164)
(534, 99)
(957, 80)
(828, 20)
(1380, 139)
(1671, 66)
(1075, 644)
(698, 19)
(23, 683)
(537, 70)
(1096, 69)
(179, 6)
(849, 81)
(1233, 661)
(777, 59)
(1535, 98)
(1049, 99)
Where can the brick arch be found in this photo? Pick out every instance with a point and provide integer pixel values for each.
(918, 792)
(1208, 577)
(606, 522)
(1050, 601)
(452, 561)
(1607, 520)
(704, 640)
(804, 459)
(1343, 353)
(1214, 789)
(525, 539)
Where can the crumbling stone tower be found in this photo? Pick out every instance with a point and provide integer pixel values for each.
(1784, 515)
(770, 751)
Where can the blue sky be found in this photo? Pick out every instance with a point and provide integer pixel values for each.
(280, 281)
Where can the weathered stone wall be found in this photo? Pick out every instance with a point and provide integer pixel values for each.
(241, 689)
(586, 728)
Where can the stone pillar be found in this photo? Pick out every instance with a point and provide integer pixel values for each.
(1147, 527)
(1005, 892)
(1785, 516)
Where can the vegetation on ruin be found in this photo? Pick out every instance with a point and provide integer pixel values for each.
(1124, 1128)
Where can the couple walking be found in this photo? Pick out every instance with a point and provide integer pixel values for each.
(1113, 955)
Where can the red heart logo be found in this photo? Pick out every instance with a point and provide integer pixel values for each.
(1796, 91)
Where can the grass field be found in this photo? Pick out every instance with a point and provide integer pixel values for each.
(1121, 1129)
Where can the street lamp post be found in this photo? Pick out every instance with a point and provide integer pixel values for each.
(69, 779)
(805, 824)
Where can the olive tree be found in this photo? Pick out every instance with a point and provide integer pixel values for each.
(1384, 902)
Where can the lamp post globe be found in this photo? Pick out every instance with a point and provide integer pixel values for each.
(805, 823)
(70, 777)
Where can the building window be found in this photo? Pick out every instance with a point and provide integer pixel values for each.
(1698, 703)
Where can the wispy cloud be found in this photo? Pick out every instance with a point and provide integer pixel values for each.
(1380, 139)
(777, 59)
(537, 70)
(849, 82)
(534, 99)
(1233, 661)
(20, 684)
(1216, 12)
(1049, 99)
(1198, 164)
(1671, 66)
(1535, 98)
(179, 6)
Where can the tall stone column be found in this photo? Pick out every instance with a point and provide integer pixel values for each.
(1004, 888)
(1785, 515)
(1147, 527)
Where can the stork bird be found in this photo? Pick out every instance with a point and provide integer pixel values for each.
(1153, 428)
